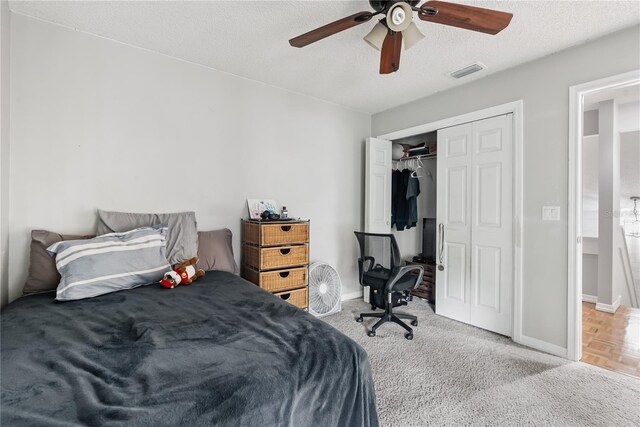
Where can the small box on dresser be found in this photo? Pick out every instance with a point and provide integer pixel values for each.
(275, 256)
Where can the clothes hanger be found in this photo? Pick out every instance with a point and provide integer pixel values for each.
(419, 165)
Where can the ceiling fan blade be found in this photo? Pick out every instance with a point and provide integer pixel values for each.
(331, 29)
(390, 55)
(467, 17)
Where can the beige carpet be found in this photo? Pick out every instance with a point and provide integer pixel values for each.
(455, 374)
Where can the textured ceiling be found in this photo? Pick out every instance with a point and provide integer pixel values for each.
(249, 39)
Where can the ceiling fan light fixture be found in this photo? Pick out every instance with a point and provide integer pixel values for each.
(399, 16)
(411, 36)
(376, 36)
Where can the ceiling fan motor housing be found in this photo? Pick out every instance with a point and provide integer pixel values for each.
(383, 5)
(378, 5)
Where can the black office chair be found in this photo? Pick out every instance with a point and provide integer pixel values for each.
(390, 280)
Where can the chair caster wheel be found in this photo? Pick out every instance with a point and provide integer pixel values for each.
(408, 336)
(371, 333)
(414, 323)
(373, 307)
(359, 319)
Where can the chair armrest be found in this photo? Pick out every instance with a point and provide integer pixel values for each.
(400, 272)
(361, 266)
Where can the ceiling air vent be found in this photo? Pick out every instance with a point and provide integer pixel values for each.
(469, 69)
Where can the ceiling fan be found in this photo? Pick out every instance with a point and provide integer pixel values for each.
(388, 33)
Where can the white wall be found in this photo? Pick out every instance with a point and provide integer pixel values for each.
(590, 170)
(98, 124)
(543, 85)
(629, 117)
(590, 274)
(590, 122)
(633, 246)
(5, 34)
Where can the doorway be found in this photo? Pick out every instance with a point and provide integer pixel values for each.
(604, 151)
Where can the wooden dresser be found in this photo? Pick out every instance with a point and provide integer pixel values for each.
(427, 288)
(275, 256)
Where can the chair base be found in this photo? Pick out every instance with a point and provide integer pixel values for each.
(390, 317)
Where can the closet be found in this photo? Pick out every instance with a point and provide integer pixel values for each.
(473, 208)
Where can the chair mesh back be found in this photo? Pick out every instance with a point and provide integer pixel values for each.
(382, 247)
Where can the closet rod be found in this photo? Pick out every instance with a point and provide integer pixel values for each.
(420, 156)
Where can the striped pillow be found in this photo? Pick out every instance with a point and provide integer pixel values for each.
(111, 262)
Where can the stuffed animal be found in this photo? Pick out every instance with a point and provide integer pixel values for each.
(182, 274)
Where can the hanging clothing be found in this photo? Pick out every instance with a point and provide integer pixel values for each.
(404, 205)
(413, 190)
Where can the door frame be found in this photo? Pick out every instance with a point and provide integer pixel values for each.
(517, 109)
(574, 234)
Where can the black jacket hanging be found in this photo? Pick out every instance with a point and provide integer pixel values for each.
(404, 191)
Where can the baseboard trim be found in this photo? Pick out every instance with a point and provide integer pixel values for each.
(543, 346)
(352, 295)
(590, 298)
(609, 308)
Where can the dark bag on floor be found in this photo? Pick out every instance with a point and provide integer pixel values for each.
(377, 299)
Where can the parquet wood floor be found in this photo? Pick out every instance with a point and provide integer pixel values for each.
(611, 341)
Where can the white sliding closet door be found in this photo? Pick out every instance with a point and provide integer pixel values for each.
(492, 225)
(377, 198)
(475, 216)
(454, 223)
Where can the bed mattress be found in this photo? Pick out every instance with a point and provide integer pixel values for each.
(218, 352)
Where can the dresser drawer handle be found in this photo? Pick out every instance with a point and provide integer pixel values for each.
(285, 251)
(285, 296)
(285, 228)
(284, 274)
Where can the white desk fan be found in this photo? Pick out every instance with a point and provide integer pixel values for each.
(324, 290)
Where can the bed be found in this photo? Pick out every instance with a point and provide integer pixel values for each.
(218, 352)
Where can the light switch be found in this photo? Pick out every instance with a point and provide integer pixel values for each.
(551, 213)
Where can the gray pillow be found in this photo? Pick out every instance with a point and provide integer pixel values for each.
(215, 252)
(182, 235)
(42, 275)
(111, 262)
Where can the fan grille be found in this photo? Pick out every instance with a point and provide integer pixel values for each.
(324, 289)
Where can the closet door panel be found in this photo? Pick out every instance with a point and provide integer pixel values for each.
(378, 186)
(454, 222)
(491, 231)
(488, 183)
(456, 209)
(487, 267)
(455, 273)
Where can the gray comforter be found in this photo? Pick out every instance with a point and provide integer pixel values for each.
(218, 352)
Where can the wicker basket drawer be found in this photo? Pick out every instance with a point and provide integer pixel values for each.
(274, 281)
(296, 297)
(276, 257)
(282, 234)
